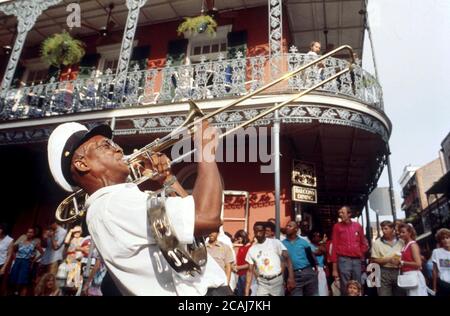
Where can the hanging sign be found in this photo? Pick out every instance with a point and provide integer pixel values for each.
(302, 194)
(304, 174)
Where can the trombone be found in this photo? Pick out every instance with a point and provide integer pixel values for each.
(72, 207)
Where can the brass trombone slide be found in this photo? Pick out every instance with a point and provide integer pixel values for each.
(168, 140)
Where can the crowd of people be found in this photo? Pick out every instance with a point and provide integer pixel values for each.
(303, 262)
(49, 262)
(139, 239)
(307, 262)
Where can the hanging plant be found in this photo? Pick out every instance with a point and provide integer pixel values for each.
(198, 25)
(61, 49)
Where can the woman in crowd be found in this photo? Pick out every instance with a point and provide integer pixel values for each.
(319, 249)
(241, 246)
(411, 262)
(441, 263)
(20, 277)
(47, 286)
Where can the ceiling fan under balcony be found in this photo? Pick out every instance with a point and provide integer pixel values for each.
(104, 33)
(209, 8)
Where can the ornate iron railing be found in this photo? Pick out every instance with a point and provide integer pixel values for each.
(206, 80)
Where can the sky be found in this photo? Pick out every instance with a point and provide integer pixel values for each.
(411, 40)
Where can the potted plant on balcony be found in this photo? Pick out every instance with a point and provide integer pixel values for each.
(62, 50)
(198, 25)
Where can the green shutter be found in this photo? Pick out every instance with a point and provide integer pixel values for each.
(237, 41)
(87, 65)
(176, 51)
(140, 57)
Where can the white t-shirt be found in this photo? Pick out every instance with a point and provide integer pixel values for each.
(117, 221)
(266, 257)
(4, 244)
(441, 257)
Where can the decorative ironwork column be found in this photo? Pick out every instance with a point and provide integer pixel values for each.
(27, 13)
(275, 36)
(134, 6)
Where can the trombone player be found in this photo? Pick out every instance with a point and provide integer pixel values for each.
(117, 211)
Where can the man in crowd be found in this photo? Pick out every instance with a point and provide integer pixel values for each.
(385, 251)
(348, 249)
(270, 230)
(53, 242)
(314, 48)
(303, 262)
(119, 214)
(221, 253)
(264, 256)
(305, 230)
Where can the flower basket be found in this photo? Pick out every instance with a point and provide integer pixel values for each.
(198, 25)
(61, 49)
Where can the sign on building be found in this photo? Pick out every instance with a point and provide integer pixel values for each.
(302, 194)
(304, 174)
(304, 182)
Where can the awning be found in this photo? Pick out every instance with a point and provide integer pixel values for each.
(441, 186)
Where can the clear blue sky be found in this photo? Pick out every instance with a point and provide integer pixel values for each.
(412, 49)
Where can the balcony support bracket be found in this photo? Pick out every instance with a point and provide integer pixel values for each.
(27, 12)
(134, 7)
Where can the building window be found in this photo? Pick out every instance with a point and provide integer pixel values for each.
(109, 57)
(110, 63)
(210, 49)
(203, 45)
(36, 76)
(36, 71)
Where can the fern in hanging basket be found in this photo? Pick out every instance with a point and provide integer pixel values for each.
(197, 25)
(61, 49)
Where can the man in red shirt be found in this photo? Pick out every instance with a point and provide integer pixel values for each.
(348, 249)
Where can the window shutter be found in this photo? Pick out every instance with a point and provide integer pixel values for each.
(176, 51)
(139, 56)
(237, 41)
(88, 64)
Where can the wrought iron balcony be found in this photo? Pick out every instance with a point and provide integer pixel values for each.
(222, 78)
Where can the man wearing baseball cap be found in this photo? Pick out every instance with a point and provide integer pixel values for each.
(117, 210)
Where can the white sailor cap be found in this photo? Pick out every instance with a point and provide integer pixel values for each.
(62, 143)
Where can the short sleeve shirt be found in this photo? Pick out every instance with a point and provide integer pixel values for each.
(382, 249)
(117, 221)
(297, 252)
(441, 257)
(266, 257)
(221, 253)
(4, 245)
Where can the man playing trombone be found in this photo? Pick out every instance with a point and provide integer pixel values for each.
(118, 212)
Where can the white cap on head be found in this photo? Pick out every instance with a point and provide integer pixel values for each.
(62, 143)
